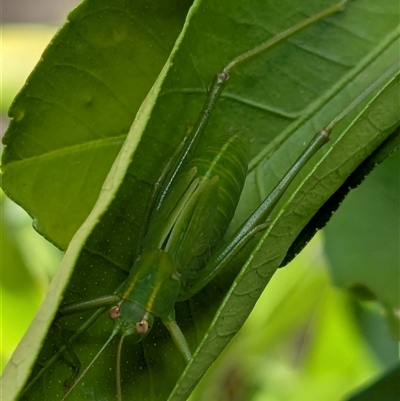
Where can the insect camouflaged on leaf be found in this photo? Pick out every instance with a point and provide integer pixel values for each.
(191, 208)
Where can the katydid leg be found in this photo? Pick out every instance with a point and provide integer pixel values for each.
(220, 80)
(99, 303)
(75, 362)
(81, 306)
(63, 349)
(177, 336)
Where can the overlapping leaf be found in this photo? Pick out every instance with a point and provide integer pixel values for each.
(70, 120)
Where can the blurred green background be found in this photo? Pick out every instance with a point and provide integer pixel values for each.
(304, 337)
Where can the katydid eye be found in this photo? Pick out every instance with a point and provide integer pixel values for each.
(115, 312)
(142, 326)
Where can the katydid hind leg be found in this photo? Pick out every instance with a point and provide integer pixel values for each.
(218, 84)
(223, 254)
(188, 146)
(258, 219)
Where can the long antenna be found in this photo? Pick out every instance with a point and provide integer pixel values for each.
(90, 365)
(118, 369)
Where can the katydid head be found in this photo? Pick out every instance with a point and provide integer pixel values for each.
(130, 318)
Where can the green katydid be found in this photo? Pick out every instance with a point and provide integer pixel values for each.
(195, 199)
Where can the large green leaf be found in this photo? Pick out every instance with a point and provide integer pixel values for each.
(71, 118)
(279, 99)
